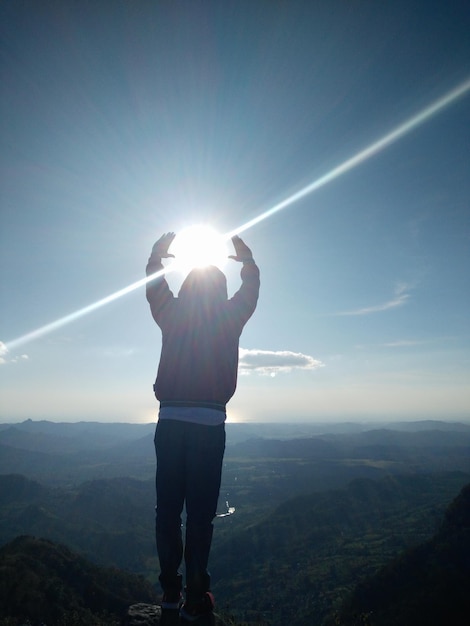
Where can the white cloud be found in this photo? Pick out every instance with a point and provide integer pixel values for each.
(4, 356)
(403, 343)
(3, 353)
(400, 298)
(117, 352)
(270, 363)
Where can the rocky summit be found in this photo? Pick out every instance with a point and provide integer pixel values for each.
(151, 615)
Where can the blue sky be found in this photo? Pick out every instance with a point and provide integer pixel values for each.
(124, 120)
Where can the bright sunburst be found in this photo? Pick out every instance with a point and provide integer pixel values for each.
(201, 245)
(198, 246)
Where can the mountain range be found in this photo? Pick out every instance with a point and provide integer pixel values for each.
(320, 517)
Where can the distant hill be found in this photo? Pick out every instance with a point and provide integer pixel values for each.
(70, 453)
(316, 512)
(46, 583)
(110, 522)
(353, 445)
(91, 434)
(426, 586)
(77, 463)
(15, 488)
(64, 452)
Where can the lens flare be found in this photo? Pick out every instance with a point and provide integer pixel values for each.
(363, 155)
(400, 131)
(48, 328)
(198, 246)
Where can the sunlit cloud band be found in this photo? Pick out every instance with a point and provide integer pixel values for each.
(270, 362)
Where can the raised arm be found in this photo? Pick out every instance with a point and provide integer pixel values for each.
(246, 298)
(157, 290)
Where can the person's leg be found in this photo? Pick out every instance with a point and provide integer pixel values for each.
(170, 486)
(205, 452)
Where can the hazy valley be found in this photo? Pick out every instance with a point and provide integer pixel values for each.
(319, 509)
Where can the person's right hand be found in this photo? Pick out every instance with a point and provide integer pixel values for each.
(160, 247)
(243, 252)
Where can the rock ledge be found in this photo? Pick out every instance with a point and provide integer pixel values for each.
(151, 615)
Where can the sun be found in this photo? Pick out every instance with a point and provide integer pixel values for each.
(199, 246)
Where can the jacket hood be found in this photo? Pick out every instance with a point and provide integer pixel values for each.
(205, 285)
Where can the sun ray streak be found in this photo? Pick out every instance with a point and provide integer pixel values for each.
(360, 157)
(48, 328)
(365, 154)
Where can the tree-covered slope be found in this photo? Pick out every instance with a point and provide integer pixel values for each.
(46, 583)
(300, 563)
(428, 585)
(111, 522)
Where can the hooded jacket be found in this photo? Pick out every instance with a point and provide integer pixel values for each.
(200, 334)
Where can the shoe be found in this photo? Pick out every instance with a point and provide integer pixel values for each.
(193, 611)
(171, 600)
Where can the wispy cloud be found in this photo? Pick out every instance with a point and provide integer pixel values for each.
(270, 363)
(406, 343)
(4, 358)
(117, 352)
(403, 343)
(400, 298)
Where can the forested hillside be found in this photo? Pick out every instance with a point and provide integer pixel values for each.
(427, 585)
(46, 583)
(299, 564)
(315, 516)
(109, 521)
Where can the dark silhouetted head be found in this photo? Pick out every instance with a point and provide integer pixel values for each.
(204, 285)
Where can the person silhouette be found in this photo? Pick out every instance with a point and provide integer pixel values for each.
(197, 376)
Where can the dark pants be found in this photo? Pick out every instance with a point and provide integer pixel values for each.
(189, 469)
